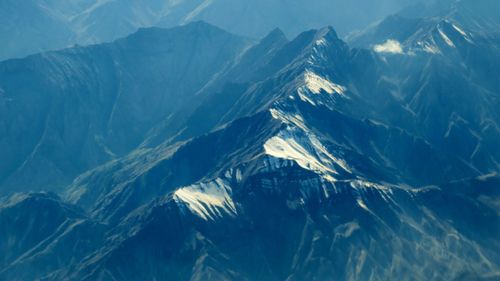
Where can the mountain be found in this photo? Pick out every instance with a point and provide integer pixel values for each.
(87, 105)
(38, 228)
(474, 15)
(459, 19)
(293, 17)
(301, 159)
(464, 58)
(29, 27)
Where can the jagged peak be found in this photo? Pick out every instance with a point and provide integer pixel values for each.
(327, 32)
(203, 25)
(275, 34)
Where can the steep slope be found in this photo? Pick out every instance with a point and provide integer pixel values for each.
(85, 106)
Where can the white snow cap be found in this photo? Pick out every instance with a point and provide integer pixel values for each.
(316, 83)
(207, 200)
(298, 144)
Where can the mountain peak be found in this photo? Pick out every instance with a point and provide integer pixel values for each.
(328, 32)
(275, 34)
(325, 35)
(200, 24)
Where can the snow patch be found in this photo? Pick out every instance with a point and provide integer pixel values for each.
(298, 144)
(234, 174)
(316, 84)
(290, 119)
(207, 200)
(361, 184)
(390, 46)
(286, 147)
(463, 33)
(431, 49)
(446, 38)
(307, 151)
(329, 157)
(362, 204)
(459, 30)
(305, 98)
(318, 90)
(428, 46)
(321, 42)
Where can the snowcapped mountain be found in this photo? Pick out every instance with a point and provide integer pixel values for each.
(432, 27)
(301, 159)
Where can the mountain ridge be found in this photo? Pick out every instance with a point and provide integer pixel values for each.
(60, 24)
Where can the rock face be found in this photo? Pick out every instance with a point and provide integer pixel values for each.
(302, 159)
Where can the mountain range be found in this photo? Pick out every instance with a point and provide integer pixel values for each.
(32, 26)
(192, 153)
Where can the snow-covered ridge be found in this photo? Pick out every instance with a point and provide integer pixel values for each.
(321, 42)
(286, 146)
(209, 200)
(436, 38)
(446, 38)
(300, 145)
(464, 34)
(316, 84)
(444, 35)
(318, 90)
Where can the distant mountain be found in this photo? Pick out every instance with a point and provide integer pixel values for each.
(28, 27)
(301, 159)
(33, 223)
(260, 16)
(474, 15)
(477, 17)
(85, 106)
